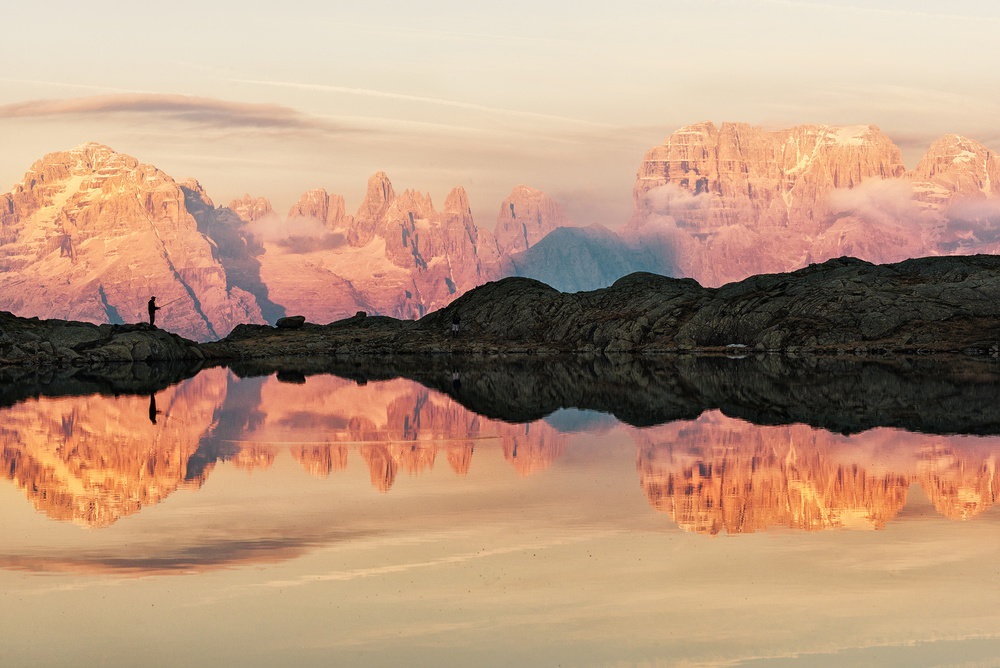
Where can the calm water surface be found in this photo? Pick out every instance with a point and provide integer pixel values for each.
(330, 523)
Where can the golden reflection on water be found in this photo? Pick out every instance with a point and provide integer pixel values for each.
(385, 524)
(93, 460)
(718, 474)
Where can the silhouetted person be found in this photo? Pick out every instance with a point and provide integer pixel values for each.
(455, 321)
(152, 408)
(153, 308)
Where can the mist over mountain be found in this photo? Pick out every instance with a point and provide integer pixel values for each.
(90, 234)
(572, 259)
(729, 202)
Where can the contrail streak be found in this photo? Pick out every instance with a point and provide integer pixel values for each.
(457, 104)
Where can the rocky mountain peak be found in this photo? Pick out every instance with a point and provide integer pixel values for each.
(525, 217)
(250, 209)
(377, 200)
(379, 193)
(317, 203)
(415, 202)
(458, 202)
(956, 166)
(199, 191)
(705, 176)
(90, 233)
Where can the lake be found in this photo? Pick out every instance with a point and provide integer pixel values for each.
(237, 516)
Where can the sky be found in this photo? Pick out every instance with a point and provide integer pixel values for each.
(273, 99)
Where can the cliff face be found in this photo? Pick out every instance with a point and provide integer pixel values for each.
(397, 255)
(725, 203)
(955, 167)
(525, 218)
(738, 173)
(90, 234)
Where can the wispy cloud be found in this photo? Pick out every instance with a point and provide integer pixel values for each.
(191, 109)
(867, 9)
(405, 97)
(62, 84)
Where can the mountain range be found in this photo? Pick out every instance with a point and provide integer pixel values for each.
(89, 233)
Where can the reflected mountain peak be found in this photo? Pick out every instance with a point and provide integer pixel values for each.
(94, 459)
(716, 474)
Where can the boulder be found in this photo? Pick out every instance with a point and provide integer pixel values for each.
(291, 322)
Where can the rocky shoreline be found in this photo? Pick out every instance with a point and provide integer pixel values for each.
(31, 342)
(937, 305)
(843, 306)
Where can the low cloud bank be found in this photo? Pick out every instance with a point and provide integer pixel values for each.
(299, 234)
(878, 200)
(671, 198)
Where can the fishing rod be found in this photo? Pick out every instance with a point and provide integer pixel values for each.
(169, 303)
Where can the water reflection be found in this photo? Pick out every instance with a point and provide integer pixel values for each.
(564, 512)
(718, 474)
(95, 459)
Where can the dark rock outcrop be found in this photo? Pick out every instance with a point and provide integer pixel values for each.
(291, 322)
(34, 342)
(928, 305)
(938, 304)
(845, 395)
(18, 383)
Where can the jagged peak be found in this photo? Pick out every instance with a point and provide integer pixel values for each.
(380, 180)
(377, 198)
(521, 190)
(458, 202)
(249, 208)
(415, 201)
(88, 159)
(89, 145)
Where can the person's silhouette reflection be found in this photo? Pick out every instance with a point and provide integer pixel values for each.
(152, 408)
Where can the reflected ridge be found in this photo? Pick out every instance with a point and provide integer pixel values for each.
(93, 459)
(950, 396)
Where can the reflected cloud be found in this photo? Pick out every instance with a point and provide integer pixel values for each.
(357, 573)
(206, 556)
